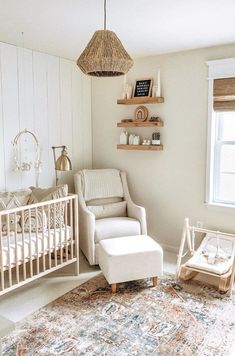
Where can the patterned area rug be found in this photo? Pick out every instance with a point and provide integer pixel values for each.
(171, 319)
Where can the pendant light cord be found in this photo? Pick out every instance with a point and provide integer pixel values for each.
(105, 24)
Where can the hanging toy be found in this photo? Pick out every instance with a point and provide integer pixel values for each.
(25, 165)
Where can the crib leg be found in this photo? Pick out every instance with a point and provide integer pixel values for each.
(77, 267)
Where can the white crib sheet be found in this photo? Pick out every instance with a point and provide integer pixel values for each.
(53, 239)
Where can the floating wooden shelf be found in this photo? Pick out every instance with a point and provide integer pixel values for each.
(140, 124)
(140, 147)
(141, 100)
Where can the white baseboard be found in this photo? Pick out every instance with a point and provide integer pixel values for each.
(170, 248)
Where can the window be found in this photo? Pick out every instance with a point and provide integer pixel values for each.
(221, 134)
(224, 158)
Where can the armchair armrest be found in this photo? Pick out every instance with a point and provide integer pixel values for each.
(86, 224)
(134, 211)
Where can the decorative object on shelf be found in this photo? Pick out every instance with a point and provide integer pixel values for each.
(126, 120)
(62, 163)
(156, 138)
(141, 113)
(22, 162)
(158, 93)
(154, 91)
(131, 139)
(146, 142)
(127, 89)
(105, 56)
(155, 119)
(127, 92)
(123, 138)
(142, 88)
(136, 140)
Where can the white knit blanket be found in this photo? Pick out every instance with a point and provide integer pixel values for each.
(101, 183)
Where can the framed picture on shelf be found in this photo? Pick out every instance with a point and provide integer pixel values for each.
(142, 87)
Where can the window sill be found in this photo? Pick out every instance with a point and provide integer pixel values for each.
(229, 208)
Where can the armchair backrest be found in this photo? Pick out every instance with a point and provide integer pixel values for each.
(101, 192)
(101, 184)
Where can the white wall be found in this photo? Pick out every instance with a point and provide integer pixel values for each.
(171, 183)
(49, 96)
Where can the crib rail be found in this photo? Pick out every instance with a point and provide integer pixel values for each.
(37, 239)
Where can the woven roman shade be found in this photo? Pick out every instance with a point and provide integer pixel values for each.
(224, 94)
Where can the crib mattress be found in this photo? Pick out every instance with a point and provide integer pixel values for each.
(50, 240)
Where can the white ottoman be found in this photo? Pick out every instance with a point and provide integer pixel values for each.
(129, 258)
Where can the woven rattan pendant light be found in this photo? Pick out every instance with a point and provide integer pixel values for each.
(105, 56)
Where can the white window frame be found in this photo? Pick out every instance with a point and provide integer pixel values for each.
(223, 68)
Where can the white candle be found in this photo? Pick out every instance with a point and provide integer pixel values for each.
(124, 80)
(158, 82)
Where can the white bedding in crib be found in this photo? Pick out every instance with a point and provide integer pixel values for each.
(53, 239)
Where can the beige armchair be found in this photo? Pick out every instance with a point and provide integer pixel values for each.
(106, 209)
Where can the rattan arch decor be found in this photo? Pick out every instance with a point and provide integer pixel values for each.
(105, 56)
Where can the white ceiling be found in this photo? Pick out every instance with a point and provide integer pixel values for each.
(146, 27)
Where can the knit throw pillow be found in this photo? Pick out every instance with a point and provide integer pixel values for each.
(11, 200)
(34, 221)
(108, 210)
(55, 214)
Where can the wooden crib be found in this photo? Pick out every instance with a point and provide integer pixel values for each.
(37, 239)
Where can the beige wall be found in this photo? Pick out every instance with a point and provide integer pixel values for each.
(171, 183)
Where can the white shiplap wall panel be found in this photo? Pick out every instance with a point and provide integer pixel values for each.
(10, 104)
(54, 113)
(26, 106)
(40, 111)
(66, 102)
(86, 123)
(26, 95)
(66, 109)
(78, 161)
(2, 158)
(49, 96)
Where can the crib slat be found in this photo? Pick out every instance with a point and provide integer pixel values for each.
(37, 251)
(66, 232)
(43, 242)
(76, 237)
(16, 250)
(60, 239)
(23, 244)
(49, 234)
(30, 246)
(71, 224)
(55, 244)
(1, 251)
(9, 251)
(61, 249)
